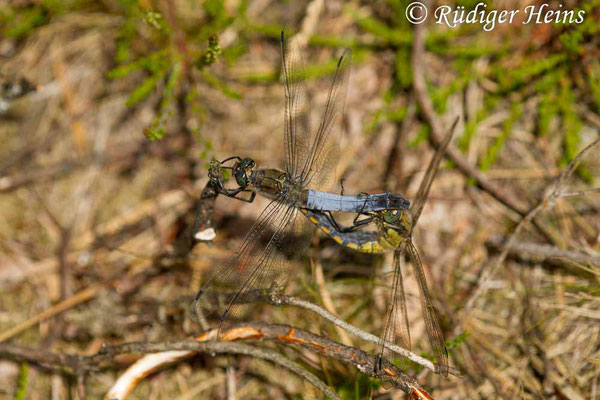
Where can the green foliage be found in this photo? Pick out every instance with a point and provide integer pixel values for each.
(357, 388)
(157, 129)
(576, 36)
(215, 82)
(19, 21)
(457, 341)
(421, 136)
(529, 69)
(548, 104)
(571, 126)
(494, 150)
(143, 90)
(169, 57)
(21, 393)
(211, 54)
(155, 20)
(593, 78)
(383, 32)
(403, 73)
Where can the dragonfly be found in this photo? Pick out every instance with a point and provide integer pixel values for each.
(281, 232)
(311, 159)
(394, 233)
(270, 182)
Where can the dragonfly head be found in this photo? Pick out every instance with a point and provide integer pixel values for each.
(398, 220)
(242, 170)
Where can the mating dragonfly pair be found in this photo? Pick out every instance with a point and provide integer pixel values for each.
(299, 201)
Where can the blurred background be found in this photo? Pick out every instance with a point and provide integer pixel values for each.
(110, 111)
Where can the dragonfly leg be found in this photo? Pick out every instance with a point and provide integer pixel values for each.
(343, 229)
(365, 221)
(333, 222)
(356, 223)
(233, 193)
(231, 158)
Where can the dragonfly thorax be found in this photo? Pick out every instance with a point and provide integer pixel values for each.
(274, 184)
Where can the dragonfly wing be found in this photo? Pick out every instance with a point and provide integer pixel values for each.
(297, 135)
(432, 169)
(436, 338)
(396, 320)
(318, 172)
(258, 264)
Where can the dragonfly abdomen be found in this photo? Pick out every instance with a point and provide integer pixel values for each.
(323, 201)
(362, 241)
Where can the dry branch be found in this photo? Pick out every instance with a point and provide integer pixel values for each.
(105, 358)
(535, 252)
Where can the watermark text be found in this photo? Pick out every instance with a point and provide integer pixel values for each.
(489, 19)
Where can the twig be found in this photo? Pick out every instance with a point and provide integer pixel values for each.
(528, 251)
(437, 133)
(81, 386)
(277, 299)
(310, 21)
(231, 385)
(170, 352)
(226, 348)
(545, 203)
(72, 364)
(66, 279)
(78, 298)
(395, 154)
(327, 300)
(252, 331)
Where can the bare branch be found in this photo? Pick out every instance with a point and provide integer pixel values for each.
(529, 252)
(277, 299)
(170, 352)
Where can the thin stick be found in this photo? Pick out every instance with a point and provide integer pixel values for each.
(189, 348)
(545, 203)
(76, 299)
(279, 300)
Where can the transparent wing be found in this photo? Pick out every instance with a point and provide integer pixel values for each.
(260, 263)
(318, 172)
(571, 213)
(297, 135)
(436, 338)
(396, 320)
(432, 169)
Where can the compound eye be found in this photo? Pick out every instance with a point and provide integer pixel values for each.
(391, 216)
(247, 163)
